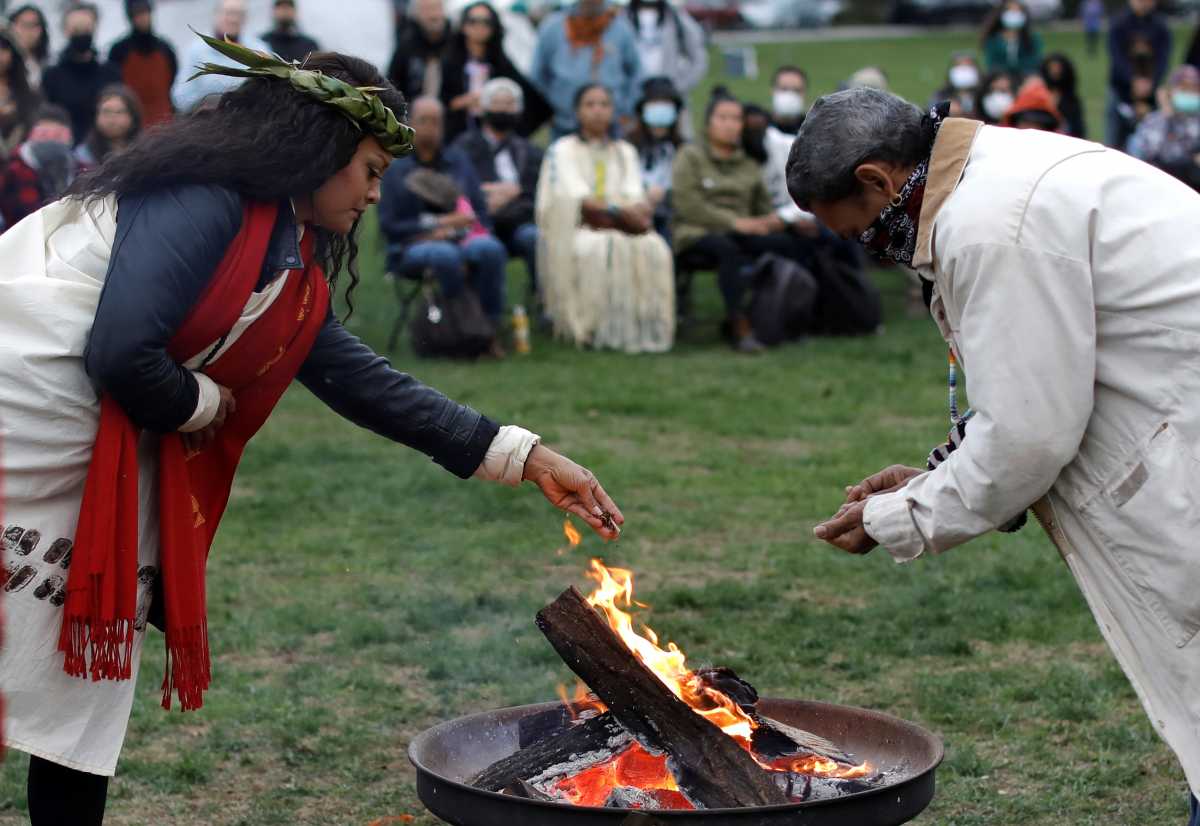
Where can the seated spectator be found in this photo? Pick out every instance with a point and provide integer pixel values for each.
(118, 122)
(996, 96)
(607, 278)
(18, 102)
(421, 45)
(475, 56)
(1059, 73)
(1034, 109)
(1009, 42)
(589, 41)
(963, 79)
(1169, 138)
(507, 166)
(146, 62)
(41, 169)
(228, 21)
(670, 44)
(285, 38)
(657, 136)
(724, 217)
(74, 82)
(439, 220)
(1139, 53)
(32, 35)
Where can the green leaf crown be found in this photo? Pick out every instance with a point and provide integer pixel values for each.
(358, 103)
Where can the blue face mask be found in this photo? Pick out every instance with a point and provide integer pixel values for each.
(1186, 103)
(660, 114)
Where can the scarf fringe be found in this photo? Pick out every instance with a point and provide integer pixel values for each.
(188, 671)
(108, 646)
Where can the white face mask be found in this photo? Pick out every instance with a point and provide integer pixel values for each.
(963, 76)
(995, 104)
(786, 103)
(1013, 19)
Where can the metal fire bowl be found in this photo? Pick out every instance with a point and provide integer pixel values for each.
(449, 753)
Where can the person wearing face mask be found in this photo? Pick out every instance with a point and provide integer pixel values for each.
(76, 80)
(963, 79)
(995, 98)
(285, 37)
(670, 44)
(41, 168)
(1139, 53)
(657, 137)
(147, 63)
(1062, 276)
(1170, 137)
(507, 166)
(229, 18)
(1009, 42)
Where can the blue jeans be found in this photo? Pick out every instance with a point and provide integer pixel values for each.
(1195, 821)
(523, 242)
(484, 257)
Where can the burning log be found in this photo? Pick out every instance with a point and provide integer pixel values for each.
(773, 739)
(582, 745)
(709, 766)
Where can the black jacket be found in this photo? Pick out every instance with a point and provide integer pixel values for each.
(75, 85)
(528, 160)
(454, 83)
(290, 45)
(413, 51)
(168, 245)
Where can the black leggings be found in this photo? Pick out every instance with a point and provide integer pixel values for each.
(59, 796)
(729, 253)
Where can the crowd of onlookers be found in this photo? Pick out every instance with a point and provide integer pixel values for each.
(630, 192)
(62, 115)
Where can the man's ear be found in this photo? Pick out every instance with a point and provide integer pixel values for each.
(874, 178)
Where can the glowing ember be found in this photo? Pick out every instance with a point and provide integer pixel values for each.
(635, 767)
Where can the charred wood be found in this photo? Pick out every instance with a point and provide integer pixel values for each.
(709, 766)
(582, 745)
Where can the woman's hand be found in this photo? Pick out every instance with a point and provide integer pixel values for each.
(197, 440)
(750, 226)
(573, 489)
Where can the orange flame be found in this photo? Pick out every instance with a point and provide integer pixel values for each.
(635, 767)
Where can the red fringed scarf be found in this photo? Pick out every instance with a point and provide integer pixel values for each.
(98, 617)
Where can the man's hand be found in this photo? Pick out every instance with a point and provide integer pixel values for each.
(845, 529)
(500, 195)
(456, 220)
(197, 440)
(806, 228)
(750, 226)
(885, 481)
(656, 194)
(572, 488)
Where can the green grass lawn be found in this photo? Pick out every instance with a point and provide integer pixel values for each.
(359, 594)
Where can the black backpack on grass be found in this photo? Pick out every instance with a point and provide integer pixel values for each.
(785, 297)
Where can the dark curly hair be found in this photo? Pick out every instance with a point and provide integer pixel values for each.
(264, 140)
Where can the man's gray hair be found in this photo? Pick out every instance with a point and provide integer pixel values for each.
(847, 129)
(500, 85)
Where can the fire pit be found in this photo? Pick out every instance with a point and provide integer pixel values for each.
(449, 754)
(649, 740)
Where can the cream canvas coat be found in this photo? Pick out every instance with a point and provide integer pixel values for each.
(1067, 280)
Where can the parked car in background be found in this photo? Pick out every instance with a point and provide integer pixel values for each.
(715, 14)
(964, 11)
(789, 14)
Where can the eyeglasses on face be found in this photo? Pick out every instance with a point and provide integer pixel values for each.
(478, 21)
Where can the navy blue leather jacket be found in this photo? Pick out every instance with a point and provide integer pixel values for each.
(167, 247)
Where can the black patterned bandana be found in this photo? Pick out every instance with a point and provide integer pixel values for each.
(893, 235)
